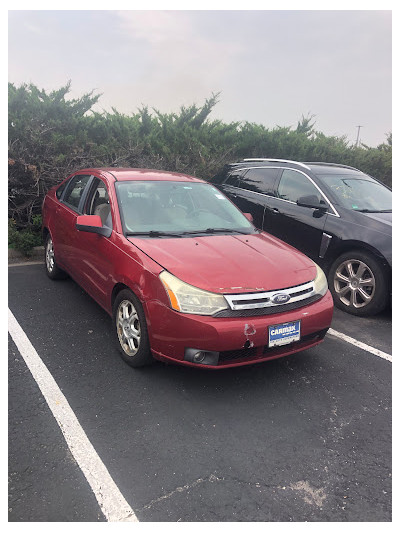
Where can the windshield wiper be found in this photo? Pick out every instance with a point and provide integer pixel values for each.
(154, 233)
(217, 230)
(374, 210)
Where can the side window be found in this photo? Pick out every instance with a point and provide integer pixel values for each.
(98, 203)
(234, 178)
(75, 190)
(293, 185)
(260, 180)
(61, 188)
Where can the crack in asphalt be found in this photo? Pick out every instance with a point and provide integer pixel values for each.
(210, 478)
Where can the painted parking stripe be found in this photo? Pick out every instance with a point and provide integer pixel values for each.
(25, 263)
(360, 344)
(112, 503)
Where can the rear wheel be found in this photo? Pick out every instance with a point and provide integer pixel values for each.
(52, 269)
(131, 329)
(359, 283)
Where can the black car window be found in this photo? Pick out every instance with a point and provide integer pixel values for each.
(260, 180)
(98, 202)
(293, 185)
(234, 178)
(75, 190)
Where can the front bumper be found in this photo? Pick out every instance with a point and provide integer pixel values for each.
(238, 341)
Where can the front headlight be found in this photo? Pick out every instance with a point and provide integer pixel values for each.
(320, 282)
(188, 299)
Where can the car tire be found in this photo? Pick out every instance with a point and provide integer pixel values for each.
(52, 269)
(130, 328)
(359, 284)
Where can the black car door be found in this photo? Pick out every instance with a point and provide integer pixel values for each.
(302, 227)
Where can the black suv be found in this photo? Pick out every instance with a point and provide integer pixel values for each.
(335, 214)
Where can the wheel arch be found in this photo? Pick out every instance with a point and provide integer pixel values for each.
(45, 232)
(118, 287)
(347, 246)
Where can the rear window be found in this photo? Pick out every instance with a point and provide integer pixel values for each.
(61, 189)
(261, 180)
(75, 190)
(234, 178)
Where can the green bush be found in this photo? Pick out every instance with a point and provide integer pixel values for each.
(26, 239)
(50, 136)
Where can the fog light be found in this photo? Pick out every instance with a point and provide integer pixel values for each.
(201, 357)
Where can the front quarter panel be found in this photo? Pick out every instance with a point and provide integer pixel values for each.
(137, 271)
(348, 232)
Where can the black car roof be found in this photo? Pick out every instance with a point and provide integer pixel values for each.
(331, 168)
(316, 166)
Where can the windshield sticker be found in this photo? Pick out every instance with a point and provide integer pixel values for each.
(354, 206)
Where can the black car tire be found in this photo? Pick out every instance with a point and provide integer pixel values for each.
(52, 269)
(130, 329)
(365, 292)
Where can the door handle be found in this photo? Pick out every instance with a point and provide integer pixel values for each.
(275, 210)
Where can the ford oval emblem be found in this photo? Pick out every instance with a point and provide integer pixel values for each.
(280, 298)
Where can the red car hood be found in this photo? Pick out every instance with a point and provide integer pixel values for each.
(230, 263)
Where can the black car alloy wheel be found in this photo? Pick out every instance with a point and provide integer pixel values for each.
(359, 283)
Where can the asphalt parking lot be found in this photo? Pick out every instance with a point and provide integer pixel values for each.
(302, 438)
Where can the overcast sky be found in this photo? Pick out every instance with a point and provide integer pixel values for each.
(271, 67)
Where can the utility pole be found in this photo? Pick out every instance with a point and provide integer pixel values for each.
(358, 135)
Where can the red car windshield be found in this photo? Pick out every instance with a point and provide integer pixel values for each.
(174, 207)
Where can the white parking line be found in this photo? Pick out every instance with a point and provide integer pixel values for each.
(25, 263)
(112, 503)
(360, 344)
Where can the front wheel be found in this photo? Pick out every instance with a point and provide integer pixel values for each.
(359, 283)
(131, 329)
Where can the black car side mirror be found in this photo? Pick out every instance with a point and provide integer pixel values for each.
(313, 202)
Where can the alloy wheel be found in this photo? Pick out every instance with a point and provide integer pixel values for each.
(50, 261)
(128, 327)
(354, 283)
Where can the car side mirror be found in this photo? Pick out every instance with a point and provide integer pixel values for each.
(249, 216)
(312, 202)
(92, 224)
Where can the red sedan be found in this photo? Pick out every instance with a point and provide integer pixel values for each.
(185, 275)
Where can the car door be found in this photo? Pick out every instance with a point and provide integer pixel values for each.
(94, 253)
(64, 229)
(253, 188)
(302, 227)
(230, 187)
(256, 188)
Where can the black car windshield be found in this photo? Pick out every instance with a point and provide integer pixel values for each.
(359, 193)
(160, 208)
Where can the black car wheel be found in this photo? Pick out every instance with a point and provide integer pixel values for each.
(131, 329)
(359, 283)
(52, 269)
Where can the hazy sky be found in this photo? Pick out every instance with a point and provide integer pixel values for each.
(271, 67)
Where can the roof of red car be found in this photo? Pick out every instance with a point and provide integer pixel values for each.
(127, 174)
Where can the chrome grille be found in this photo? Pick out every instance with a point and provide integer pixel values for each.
(271, 299)
(263, 311)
